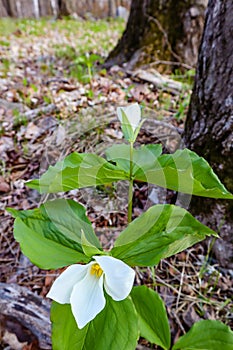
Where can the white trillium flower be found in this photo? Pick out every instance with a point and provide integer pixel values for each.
(133, 114)
(83, 286)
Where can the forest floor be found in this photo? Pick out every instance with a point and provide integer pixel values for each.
(55, 98)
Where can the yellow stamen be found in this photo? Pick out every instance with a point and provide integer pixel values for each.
(96, 270)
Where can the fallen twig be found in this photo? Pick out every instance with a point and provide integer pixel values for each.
(160, 81)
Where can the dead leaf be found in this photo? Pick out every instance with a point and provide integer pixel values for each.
(4, 186)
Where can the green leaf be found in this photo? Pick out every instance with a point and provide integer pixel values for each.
(153, 321)
(143, 157)
(43, 252)
(162, 231)
(127, 127)
(116, 327)
(51, 235)
(206, 335)
(77, 171)
(184, 171)
(88, 248)
(136, 131)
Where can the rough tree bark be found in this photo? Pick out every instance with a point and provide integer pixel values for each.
(158, 30)
(209, 125)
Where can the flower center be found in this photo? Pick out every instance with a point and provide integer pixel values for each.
(96, 270)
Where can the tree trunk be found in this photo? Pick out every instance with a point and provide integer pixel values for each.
(48, 8)
(209, 125)
(3, 9)
(111, 8)
(83, 8)
(28, 8)
(160, 30)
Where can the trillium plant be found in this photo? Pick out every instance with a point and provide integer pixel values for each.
(85, 284)
(96, 302)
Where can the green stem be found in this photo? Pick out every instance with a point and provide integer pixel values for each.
(130, 195)
(89, 74)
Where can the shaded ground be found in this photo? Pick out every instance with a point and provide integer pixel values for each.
(54, 99)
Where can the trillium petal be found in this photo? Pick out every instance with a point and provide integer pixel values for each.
(62, 288)
(118, 277)
(133, 113)
(87, 299)
(119, 113)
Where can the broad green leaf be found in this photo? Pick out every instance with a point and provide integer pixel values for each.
(162, 231)
(206, 335)
(77, 171)
(184, 171)
(70, 218)
(46, 232)
(143, 157)
(116, 327)
(44, 252)
(61, 220)
(153, 321)
(65, 333)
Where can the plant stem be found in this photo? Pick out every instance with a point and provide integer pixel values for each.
(89, 74)
(130, 195)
